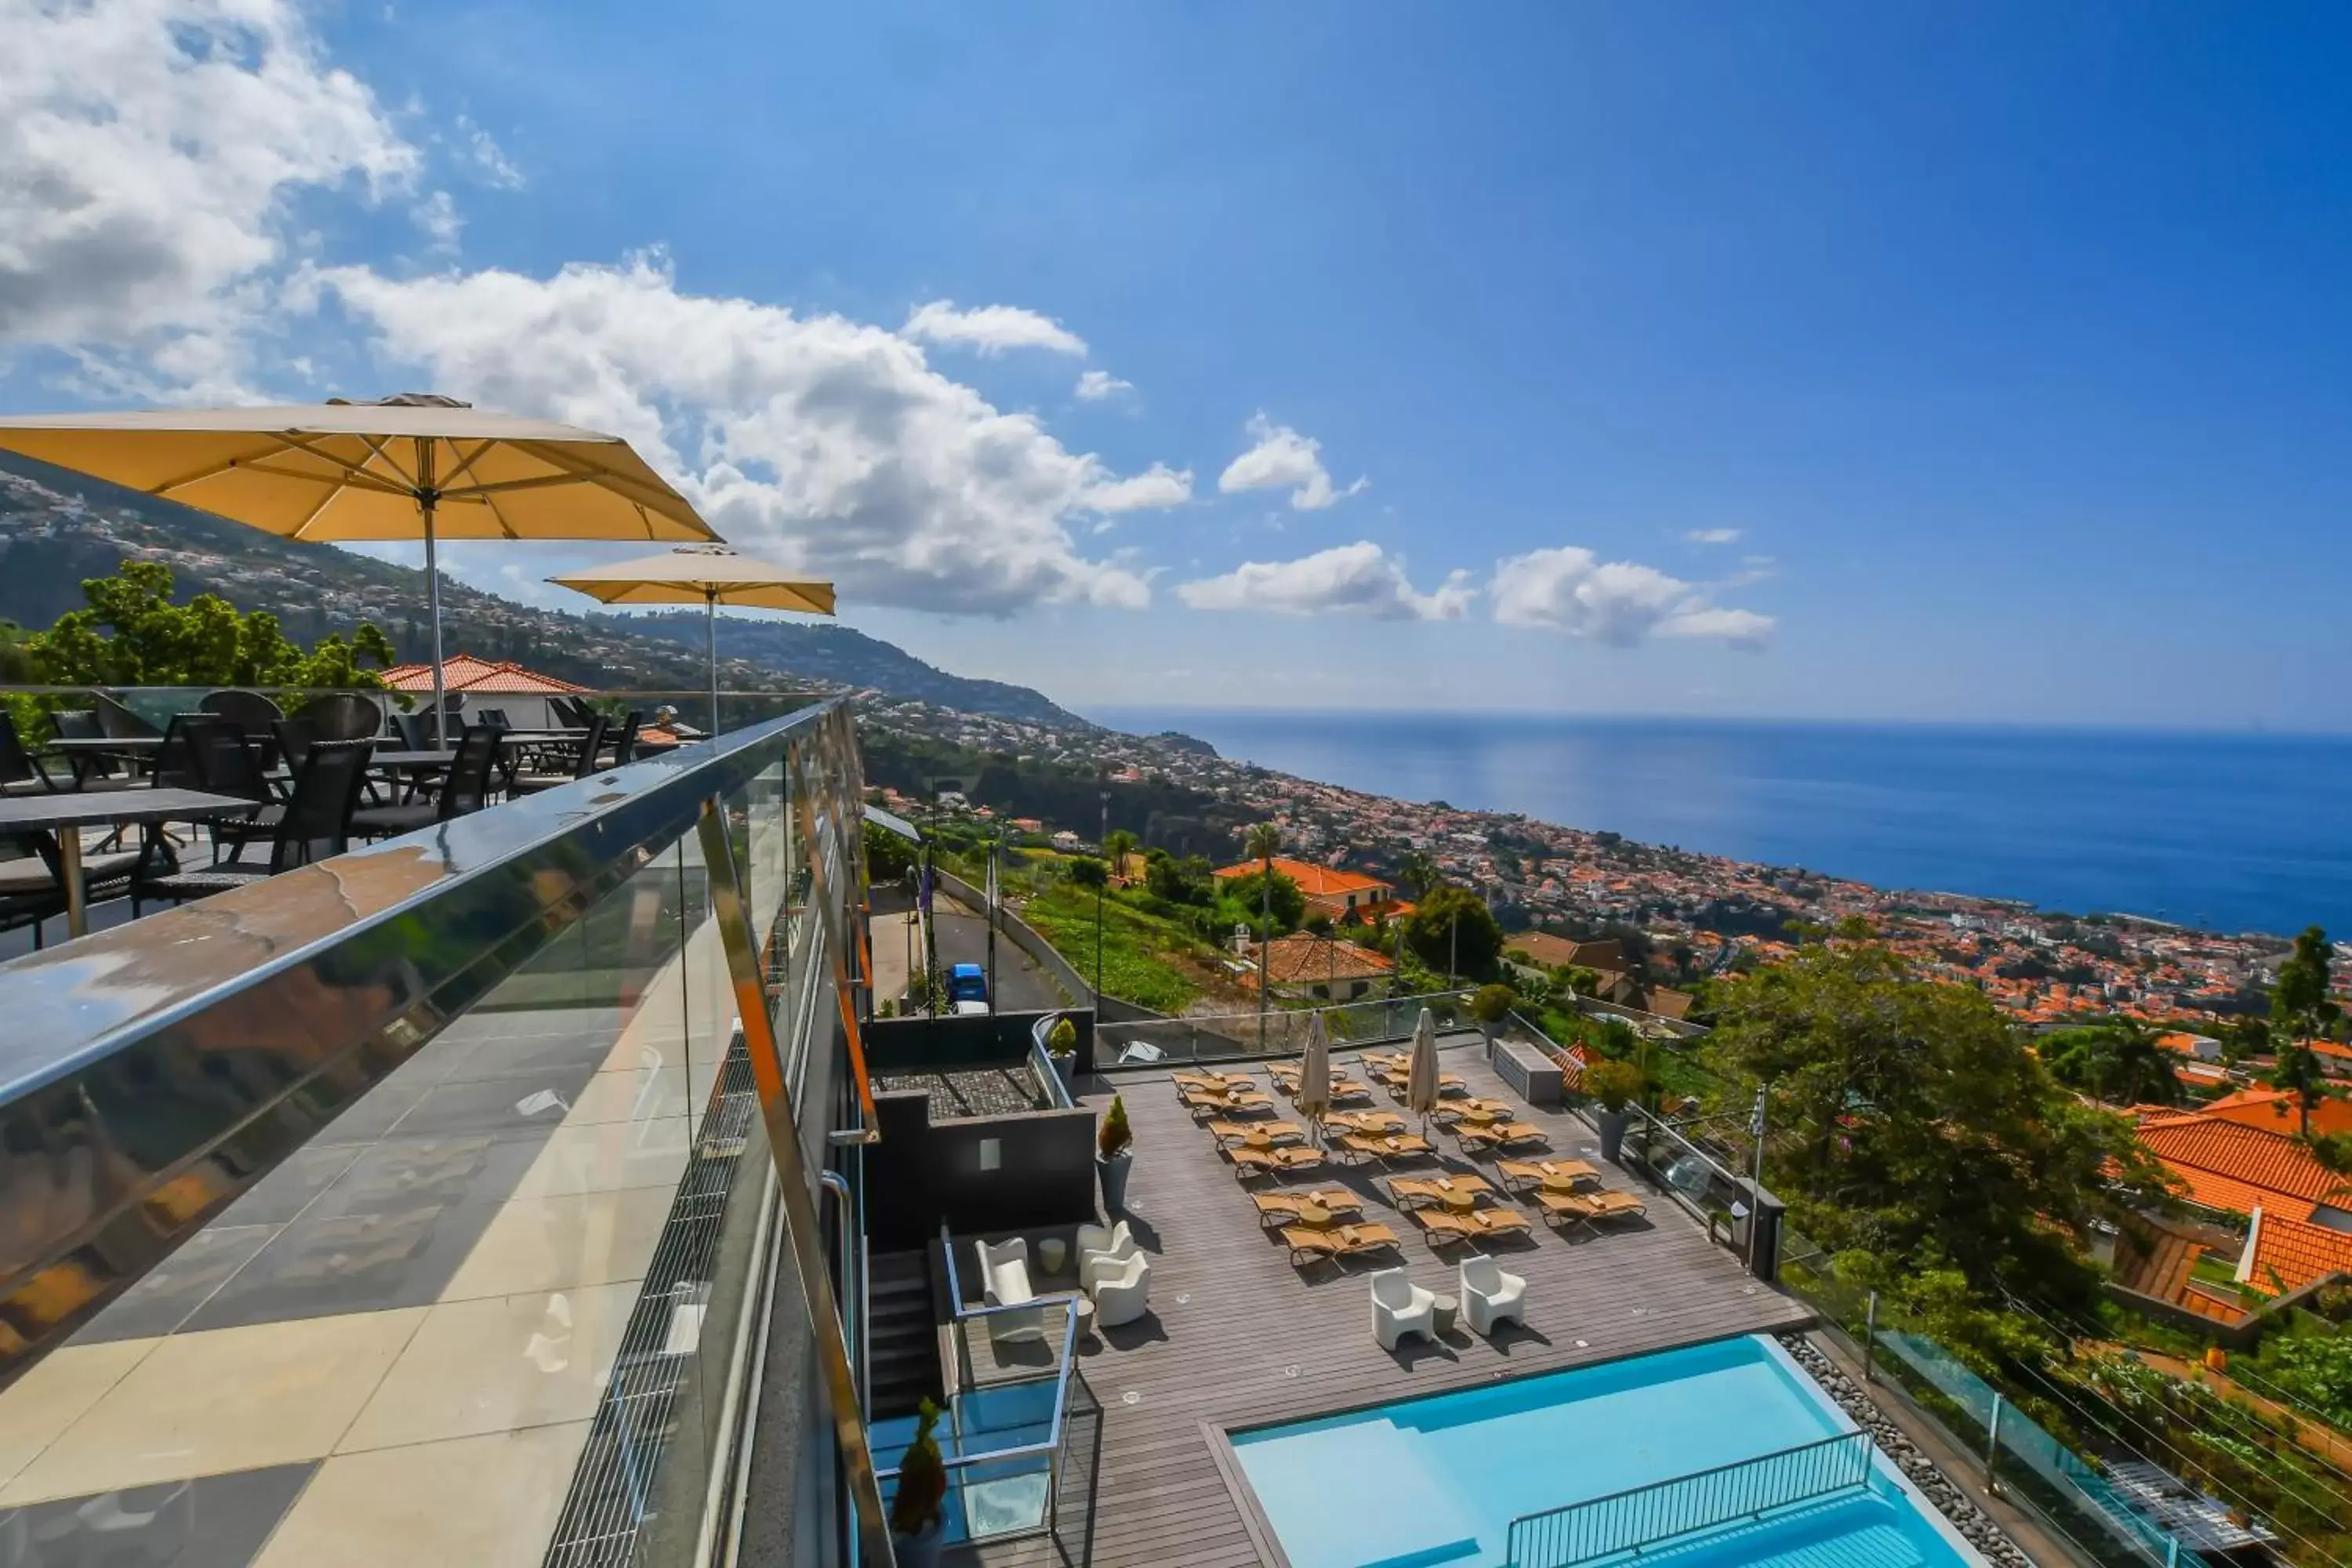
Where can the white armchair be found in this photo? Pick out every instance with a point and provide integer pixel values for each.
(1099, 1249)
(1491, 1297)
(1122, 1290)
(1004, 1282)
(1399, 1308)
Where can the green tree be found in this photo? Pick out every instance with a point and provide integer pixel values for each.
(1185, 881)
(1418, 873)
(131, 634)
(2117, 1060)
(1918, 1126)
(1118, 845)
(887, 855)
(1453, 929)
(1088, 872)
(1277, 899)
(2301, 1009)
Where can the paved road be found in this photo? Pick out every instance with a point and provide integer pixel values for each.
(1020, 986)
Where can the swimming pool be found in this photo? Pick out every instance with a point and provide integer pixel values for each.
(1435, 1482)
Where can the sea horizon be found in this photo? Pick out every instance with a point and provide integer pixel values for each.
(2229, 830)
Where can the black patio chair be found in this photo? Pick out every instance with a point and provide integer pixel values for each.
(250, 710)
(569, 712)
(77, 724)
(416, 730)
(20, 772)
(90, 771)
(496, 718)
(175, 759)
(29, 892)
(316, 825)
(624, 749)
(227, 761)
(465, 789)
(342, 716)
(295, 738)
(584, 764)
(117, 722)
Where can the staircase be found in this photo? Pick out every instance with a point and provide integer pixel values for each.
(903, 1336)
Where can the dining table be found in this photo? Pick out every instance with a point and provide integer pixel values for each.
(64, 815)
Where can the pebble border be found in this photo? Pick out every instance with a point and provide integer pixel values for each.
(1976, 1526)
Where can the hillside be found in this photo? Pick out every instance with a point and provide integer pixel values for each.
(57, 529)
(846, 656)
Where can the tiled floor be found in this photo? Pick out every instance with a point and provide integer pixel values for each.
(389, 1351)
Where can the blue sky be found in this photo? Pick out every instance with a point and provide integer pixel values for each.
(1833, 361)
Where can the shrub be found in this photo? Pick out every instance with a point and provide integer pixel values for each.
(1062, 1039)
(1614, 1084)
(1116, 1134)
(922, 1479)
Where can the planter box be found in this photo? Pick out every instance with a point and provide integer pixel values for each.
(1534, 1074)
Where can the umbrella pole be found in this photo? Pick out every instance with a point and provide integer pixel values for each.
(426, 496)
(710, 648)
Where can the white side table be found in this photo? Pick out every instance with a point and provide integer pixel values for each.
(1051, 1252)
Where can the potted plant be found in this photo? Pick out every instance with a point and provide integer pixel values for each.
(915, 1513)
(1114, 1154)
(1062, 1050)
(1490, 1005)
(1615, 1084)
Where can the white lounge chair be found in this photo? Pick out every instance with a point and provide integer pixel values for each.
(1099, 1248)
(1122, 1291)
(1399, 1308)
(1004, 1282)
(1491, 1297)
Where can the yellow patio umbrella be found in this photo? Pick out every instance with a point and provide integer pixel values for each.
(706, 574)
(415, 466)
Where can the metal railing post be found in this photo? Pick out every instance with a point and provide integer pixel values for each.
(1992, 1442)
(1869, 1336)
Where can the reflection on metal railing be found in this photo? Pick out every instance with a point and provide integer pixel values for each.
(1278, 1032)
(1664, 1511)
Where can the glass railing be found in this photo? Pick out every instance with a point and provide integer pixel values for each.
(1014, 1396)
(1280, 1031)
(154, 706)
(430, 1190)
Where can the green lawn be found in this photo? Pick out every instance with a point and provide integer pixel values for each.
(1137, 948)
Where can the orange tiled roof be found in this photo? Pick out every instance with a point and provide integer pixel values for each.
(2275, 1110)
(1311, 960)
(1315, 881)
(2227, 1161)
(2297, 1253)
(466, 673)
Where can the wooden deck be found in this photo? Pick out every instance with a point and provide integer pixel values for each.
(1238, 1337)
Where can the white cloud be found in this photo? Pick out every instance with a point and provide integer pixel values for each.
(990, 328)
(1713, 535)
(1093, 385)
(1157, 487)
(1284, 460)
(1359, 578)
(437, 216)
(148, 151)
(1569, 590)
(490, 160)
(831, 445)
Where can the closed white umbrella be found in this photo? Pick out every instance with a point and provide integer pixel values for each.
(1315, 1073)
(1421, 1078)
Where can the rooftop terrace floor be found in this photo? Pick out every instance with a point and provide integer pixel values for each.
(1237, 1336)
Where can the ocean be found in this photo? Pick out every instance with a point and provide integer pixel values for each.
(2224, 832)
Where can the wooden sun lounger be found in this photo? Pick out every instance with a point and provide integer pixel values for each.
(1441, 1225)
(1411, 1191)
(1375, 1122)
(1532, 1176)
(1589, 1208)
(1249, 1162)
(1252, 1132)
(1447, 1083)
(1283, 1208)
(1393, 1146)
(1338, 1243)
(1500, 1135)
(1249, 1103)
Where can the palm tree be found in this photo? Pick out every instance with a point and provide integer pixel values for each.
(1118, 845)
(1418, 872)
(1264, 843)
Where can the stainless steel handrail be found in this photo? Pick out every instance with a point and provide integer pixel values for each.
(1053, 1439)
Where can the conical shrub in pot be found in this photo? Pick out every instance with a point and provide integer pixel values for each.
(1114, 1154)
(915, 1513)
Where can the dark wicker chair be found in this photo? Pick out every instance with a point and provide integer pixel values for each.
(624, 749)
(117, 722)
(315, 825)
(416, 730)
(584, 763)
(465, 789)
(20, 773)
(250, 710)
(342, 716)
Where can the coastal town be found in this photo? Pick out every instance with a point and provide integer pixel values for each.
(1708, 914)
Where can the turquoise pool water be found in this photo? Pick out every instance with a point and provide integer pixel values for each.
(1435, 1482)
